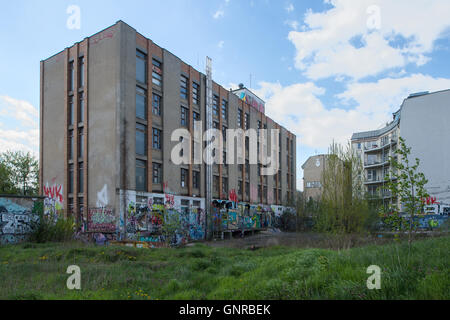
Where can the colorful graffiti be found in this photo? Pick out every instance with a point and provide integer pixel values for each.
(55, 192)
(17, 216)
(147, 223)
(227, 216)
(101, 220)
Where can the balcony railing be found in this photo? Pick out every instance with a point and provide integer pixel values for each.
(380, 194)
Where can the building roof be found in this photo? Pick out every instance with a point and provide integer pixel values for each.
(397, 116)
(312, 157)
(376, 133)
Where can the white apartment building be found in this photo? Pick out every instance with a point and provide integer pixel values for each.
(424, 122)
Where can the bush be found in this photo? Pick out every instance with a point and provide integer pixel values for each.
(53, 228)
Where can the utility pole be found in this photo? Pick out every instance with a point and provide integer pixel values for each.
(209, 176)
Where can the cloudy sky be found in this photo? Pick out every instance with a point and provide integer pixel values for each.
(325, 68)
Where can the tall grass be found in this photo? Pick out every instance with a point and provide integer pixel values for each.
(38, 271)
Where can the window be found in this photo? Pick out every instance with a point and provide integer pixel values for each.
(71, 205)
(156, 139)
(184, 178)
(80, 143)
(216, 106)
(183, 87)
(259, 192)
(215, 125)
(71, 112)
(247, 189)
(80, 178)
(196, 204)
(140, 139)
(224, 160)
(141, 67)
(141, 175)
(156, 73)
(80, 205)
(247, 143)
(71, 144)
(156, 105)
(224, 110)
(372, 159)
(196, 179)
(216, 184)
(196, 116)
(224, 133)
(372, 175)
(185, 206)
(81, 72)
(225, 185)
(71, 178)
(195, 93)
(247, 169)
(141, 103)
(240, 167)
(184, 116)
(81, 107)
(71, 76)
(247, 121)
(239, 118)
(265, 193)
(240, 187)
(157, 173)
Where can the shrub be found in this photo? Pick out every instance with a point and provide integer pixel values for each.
(53, 228)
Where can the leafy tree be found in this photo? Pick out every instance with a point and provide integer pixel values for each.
(6, 184)
(19, 172)
(407, 186)
(343, 207)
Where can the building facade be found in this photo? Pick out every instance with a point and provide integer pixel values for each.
(109, 105)
(422, 123)
(312, 177)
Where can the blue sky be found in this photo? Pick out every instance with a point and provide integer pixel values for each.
(325, 68)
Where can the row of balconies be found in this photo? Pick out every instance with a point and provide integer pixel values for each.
(382, 145)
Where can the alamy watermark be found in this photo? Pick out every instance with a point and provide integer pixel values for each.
(374, 19)
(74, 281)
(74, 19)
(237, 142)
(374, 281)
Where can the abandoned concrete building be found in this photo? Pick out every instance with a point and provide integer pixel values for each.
(108, 107)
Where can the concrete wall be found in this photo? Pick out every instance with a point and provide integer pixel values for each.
(54, 127)
(17, 215)
(103, 102)
(313, 173)
(425, 127)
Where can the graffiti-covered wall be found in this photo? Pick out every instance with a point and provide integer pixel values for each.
(17, 216)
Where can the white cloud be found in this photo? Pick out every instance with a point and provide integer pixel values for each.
(368, 106)
(221, 44)
(218, 14)
(20, 128)
(325, 47)
(292, 23)
(290, 7)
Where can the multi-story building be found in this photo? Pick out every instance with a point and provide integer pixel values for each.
(422, 122)
(109, 105)
(312, 177)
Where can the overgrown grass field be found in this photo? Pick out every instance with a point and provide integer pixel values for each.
(30, 271)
